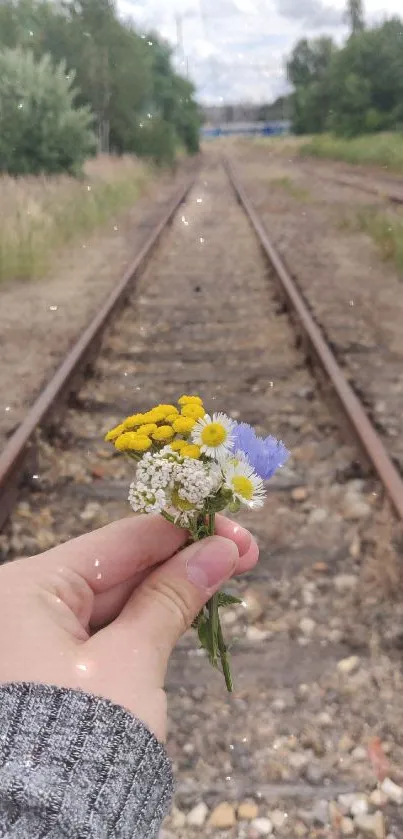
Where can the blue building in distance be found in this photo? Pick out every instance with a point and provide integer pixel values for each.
(252, 129)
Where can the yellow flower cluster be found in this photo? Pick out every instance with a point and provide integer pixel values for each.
(162, 425)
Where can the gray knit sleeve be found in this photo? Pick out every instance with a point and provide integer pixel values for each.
(76, 766)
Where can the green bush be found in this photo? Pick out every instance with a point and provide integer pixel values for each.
(377, 149)
(41, 130)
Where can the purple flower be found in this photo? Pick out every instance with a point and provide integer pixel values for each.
(265, 454)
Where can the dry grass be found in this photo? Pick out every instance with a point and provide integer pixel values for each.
(286, 183)
(40, 215)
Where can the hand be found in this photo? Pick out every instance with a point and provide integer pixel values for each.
(104, 611)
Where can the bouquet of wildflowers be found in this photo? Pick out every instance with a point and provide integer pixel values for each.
(190, 466)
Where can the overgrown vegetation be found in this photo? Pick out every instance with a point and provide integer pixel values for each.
(42, 131)
(385, 229)
(352, 90)
(379, 149)
(138, 102)
(387, 233)
(40, 215)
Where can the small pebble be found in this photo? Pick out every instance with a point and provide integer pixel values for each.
(198, 815)
(307, 626)
(356, 509)
(347, 826)
(247, 811)
(318, 516)
(223, 816)
(345, 582)
(378, 798)
(359, 807)
(359, 754)
(298, 761)
(263, 827)
(392, 791)
(325, 720)
(178, 818)
(299, 494)
(253, 606)
(320, 813)
(371, 825)
(254, 634)
(277, 818)
(348, 665)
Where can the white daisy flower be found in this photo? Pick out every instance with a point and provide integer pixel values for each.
(241, 479)
(214, 435)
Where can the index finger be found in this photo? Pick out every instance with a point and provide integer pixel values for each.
(115, 553)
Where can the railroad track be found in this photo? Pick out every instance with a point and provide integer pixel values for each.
(381, 190)
(206, 314)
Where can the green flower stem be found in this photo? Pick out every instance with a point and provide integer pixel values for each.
(216, 638)
(226, 669)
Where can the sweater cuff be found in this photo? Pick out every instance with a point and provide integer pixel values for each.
(78, 764)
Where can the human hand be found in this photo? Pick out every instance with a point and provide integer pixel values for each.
(103, 612)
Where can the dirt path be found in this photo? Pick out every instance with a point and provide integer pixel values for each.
(316, 649)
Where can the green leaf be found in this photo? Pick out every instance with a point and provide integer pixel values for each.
(225, 599)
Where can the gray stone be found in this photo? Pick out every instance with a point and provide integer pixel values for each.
(345, 582)
(371, 825)
(198, 815)
(178, 818)
(314, 773)
(307, 626)
(297, 760)
(320, 812)
(359, 807)
(253, 606)
(318, 515)
(392, 791)
(278, 818)
(254, 634)
(355, 508)
(325, 720)
(359, 753)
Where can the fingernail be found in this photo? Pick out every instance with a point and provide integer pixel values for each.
(213, 561)
(243, 539)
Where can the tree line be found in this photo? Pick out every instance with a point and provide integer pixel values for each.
(121, 84)
(353, 89)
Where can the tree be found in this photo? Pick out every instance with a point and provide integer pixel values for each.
(308, 70)
(121, 75)
(41, 128)
(352, 90)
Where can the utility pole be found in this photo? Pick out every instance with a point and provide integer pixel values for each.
(179, 18)
(355, 15)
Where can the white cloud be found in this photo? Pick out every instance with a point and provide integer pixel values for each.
(236, 49)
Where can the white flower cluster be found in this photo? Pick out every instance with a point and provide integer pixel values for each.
(166, 482)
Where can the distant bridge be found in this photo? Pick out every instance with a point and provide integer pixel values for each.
(262, 129)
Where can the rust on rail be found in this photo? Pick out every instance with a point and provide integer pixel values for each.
(352, 407)
(19, 449)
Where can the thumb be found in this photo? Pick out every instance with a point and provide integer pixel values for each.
(169, 599)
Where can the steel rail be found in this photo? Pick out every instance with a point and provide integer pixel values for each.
(352, 408)
(354, 182)
(19, 450)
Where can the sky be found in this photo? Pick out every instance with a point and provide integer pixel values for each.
(235, 50)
